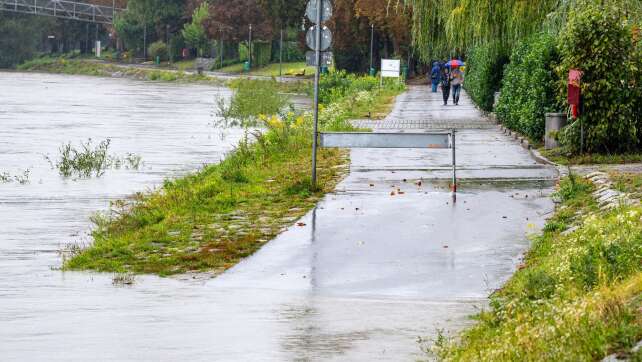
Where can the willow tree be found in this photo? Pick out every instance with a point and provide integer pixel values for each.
(441, 27)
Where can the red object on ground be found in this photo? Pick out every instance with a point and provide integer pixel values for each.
(574, 91)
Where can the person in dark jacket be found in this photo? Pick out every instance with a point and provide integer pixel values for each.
(445, 84)
(435, 76)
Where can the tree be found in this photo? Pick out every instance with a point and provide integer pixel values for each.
(284, 13)
(235, 17)
(391, 22)
(20, 38)
(352, 37)
(148, 17)
(194, 32)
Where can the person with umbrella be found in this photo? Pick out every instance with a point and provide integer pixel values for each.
(435, 76)
(457, 78)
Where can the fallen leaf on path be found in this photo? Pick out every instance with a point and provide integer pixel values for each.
(300, 224)
(392, 193)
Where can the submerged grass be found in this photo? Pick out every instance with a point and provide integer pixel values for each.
(577, 296)
(87, 160)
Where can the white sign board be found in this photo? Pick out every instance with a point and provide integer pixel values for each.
(390, 68)
(98, 48)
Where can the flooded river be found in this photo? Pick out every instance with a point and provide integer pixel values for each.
(363, 279)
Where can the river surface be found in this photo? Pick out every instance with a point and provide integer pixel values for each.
(366, 276)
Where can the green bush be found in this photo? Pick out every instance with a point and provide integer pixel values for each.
(528, 88)
(158, 49)
(337, 84)
(598, 42)
(483, 74)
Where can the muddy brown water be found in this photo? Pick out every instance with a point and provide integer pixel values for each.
(363, 279)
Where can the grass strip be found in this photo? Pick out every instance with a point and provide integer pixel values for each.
(101, 69)
(560, 157)
(576, 297)
(212, 219)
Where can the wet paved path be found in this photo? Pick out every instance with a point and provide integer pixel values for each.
(366, 275)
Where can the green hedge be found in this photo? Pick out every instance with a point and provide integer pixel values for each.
(599, 43)
(483, 74)
(528, 88)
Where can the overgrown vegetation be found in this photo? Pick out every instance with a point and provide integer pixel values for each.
(576, 297)
(251, 99)
(210, 220)
(88, 161)
(630, 183)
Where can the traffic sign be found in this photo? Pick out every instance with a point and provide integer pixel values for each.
(311, 59)
(311, 11)
(311, 37)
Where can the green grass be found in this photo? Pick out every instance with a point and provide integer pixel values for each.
(215, 217)
(628, 182)
(577, 297)
(560, 157)
(271, 70)
(234, 69)
(92, 68)
(184, 65)
(289, 69)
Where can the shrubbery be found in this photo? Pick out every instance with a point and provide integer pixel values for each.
(337, 84)
(528, 87)
(484, 74)
(158, 49)
(598, 42)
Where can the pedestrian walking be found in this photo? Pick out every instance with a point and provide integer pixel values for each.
(435, 76)
(457, 77)
(445, 84)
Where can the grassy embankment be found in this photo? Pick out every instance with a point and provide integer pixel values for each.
(210, 220)
(93, 68)
(578, 295)
(272, 70)
(559, 157)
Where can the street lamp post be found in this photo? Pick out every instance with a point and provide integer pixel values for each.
(317, 57)
(249, 49)
(371, 47)
(281, 54)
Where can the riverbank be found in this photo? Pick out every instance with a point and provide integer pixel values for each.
(115, 70)
(576, 296)
(212, 219)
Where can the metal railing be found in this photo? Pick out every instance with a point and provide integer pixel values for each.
(64, 9)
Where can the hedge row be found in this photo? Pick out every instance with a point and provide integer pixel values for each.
(597, 41)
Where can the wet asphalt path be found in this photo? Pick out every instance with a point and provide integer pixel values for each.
(366, 275)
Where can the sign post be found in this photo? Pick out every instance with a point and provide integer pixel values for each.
(390, 68)
(318, 11)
